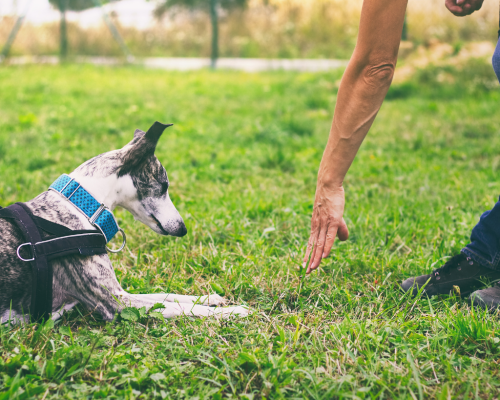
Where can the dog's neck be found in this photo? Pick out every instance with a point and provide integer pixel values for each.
(111, 191)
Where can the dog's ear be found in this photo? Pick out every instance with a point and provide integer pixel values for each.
(144, 145)
(138, 134)
(153, 134)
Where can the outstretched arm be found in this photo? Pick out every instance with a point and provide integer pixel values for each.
(361, 93)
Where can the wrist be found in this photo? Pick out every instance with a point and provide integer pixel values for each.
(328, 188)
(330, 181)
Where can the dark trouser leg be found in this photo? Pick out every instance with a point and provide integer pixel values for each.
(484, 246)
(496, 60)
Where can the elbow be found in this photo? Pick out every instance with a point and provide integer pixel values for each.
(378, 75)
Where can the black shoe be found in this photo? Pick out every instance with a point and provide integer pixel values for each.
(458, 271)
(487, 298)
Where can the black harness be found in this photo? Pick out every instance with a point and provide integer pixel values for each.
(61, 242)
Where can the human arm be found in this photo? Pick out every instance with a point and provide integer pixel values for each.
(461, 8)
(362, 90)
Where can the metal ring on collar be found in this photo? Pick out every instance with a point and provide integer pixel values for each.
(123, 244)
(19, 255)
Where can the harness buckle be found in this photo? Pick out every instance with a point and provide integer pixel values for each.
(123, 244)
(19, 255)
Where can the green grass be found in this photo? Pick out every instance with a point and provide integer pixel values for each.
(242, 159)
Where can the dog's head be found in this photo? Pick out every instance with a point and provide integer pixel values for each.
(134, 178)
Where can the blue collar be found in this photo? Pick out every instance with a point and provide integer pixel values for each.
(97, 213)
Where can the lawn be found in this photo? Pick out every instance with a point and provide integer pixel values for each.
(242, 159)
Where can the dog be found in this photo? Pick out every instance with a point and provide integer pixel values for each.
(133, 178)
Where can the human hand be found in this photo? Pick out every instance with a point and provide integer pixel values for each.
(461, 8)
(327, 222)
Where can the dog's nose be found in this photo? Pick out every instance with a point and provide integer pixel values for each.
(180, 231)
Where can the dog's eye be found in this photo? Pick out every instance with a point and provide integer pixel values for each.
(164, 187)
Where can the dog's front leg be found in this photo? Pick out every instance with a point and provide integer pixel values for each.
(173, 309)
(94, 285)
(66, 307)
(209, 300)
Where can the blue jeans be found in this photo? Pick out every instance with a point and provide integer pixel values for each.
(484, 246)
(496, 60)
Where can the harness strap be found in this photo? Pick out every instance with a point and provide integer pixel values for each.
(51, 227)
(56, 230)
(41, 287)
(48, 226)
(85, 244)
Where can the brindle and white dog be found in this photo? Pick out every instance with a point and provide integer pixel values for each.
(132, 178)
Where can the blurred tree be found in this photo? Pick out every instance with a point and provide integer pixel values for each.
(15, 30)
(72, 5)
(207, 5)
(404, 34)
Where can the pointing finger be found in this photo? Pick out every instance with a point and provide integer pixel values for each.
(318, 250)
(330, 239)
(313, 238)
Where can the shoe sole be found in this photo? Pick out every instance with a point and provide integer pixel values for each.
(407, 288)
(485, 305)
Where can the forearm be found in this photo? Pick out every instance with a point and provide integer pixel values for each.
(363, 87)
(360, 96)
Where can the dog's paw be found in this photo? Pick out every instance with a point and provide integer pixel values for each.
(228, 312)
(213, 300)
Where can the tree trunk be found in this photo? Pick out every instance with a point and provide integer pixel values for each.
(215, 33)
(63, 30)
(404, 35)
(12, 36)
